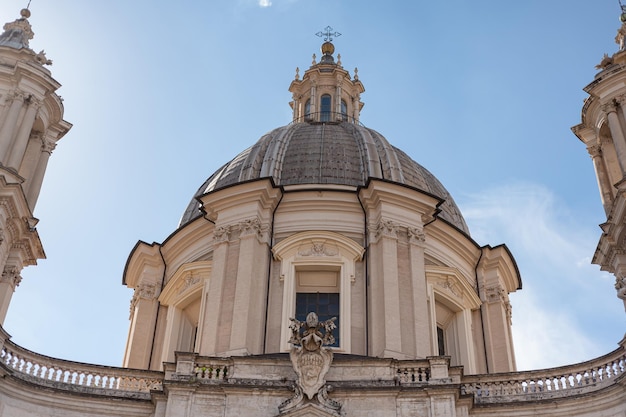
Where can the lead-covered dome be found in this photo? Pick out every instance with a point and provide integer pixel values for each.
(339, 153)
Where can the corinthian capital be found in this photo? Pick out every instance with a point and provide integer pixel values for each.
(595, 151)
(620, 287)
(611, 106)
(416, 235)
(15, 95)
(11, 275)
(386, 228)
(48, 145)
(250, 227)
(495, 294)
(221, 234)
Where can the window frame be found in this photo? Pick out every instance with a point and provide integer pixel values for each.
(326, 115)
(308, 250)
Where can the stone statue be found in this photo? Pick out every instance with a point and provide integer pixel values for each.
(41, 58)
(311, 361)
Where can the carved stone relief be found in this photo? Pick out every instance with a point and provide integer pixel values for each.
(143, 292)
(451, 285)
(496, 294)
(386, 228)
(620, 287)
(317, 249)
(311, 361)
(11, 275)
(247, 227)
(416, 235)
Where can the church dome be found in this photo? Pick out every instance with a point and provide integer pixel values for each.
(337, 153)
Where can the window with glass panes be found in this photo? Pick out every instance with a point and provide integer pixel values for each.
(317, 290)
(325, 305)
(325, 108)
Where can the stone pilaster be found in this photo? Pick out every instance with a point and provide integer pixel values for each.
(143, 308)
(386, 335)
(249, 309)
(604, 184)
(617, 132)
(9, 280)
(7, 131)
(35, 181)
(211, 315)
(417, 242)
(23, 133)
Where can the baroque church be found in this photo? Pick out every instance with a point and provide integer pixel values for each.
(320, 272)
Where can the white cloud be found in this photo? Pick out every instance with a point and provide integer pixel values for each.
(265, 3)
(567, 311)
(544, 338)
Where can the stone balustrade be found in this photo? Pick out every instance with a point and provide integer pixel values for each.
(276, 370)
(74, 376)
(413, 374)
(550, 383)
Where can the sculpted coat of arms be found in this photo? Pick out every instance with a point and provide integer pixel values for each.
(311, 361)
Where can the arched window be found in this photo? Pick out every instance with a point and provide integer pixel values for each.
(325, 108)
(344, 110)
(182, 296)
(452, 299)
(307, 109)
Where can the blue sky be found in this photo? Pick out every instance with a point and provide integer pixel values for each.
(161, 94)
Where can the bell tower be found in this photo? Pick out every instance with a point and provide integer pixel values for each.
(603, 131)
(31, 123)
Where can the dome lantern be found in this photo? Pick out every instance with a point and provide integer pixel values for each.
(326, 93)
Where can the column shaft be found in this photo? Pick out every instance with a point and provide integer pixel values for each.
(618, 138)
(21, 140)
(8, 128)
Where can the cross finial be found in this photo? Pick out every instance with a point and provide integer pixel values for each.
(328, 34)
